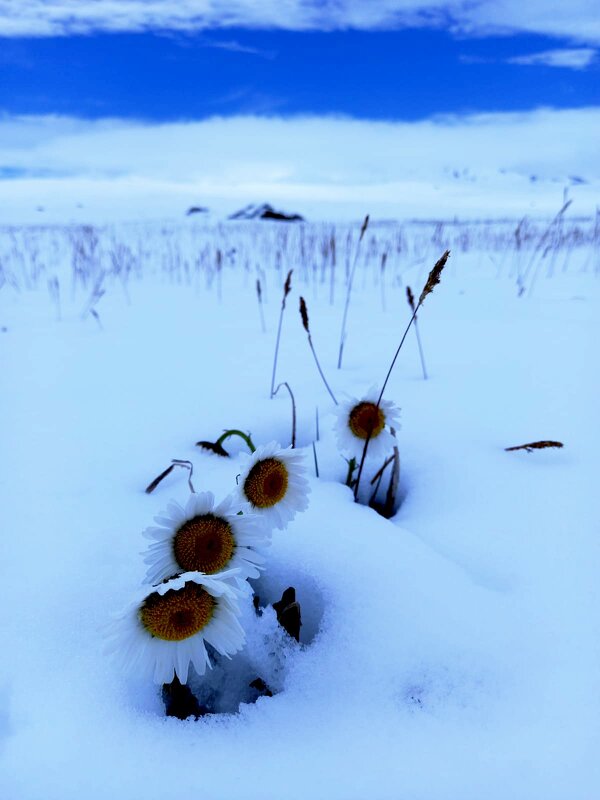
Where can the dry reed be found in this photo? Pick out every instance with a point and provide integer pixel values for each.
(306, 326)
(349, 291)
(433, 280)
(531, 446)
(287, 288)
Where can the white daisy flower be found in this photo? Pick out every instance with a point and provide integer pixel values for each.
(165, 631)
(357, 417)
(204, 538)
(272, 482)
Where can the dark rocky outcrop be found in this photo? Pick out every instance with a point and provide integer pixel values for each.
(196, 210)
(265, 211)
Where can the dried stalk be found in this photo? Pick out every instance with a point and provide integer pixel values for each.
(176, 462)
(305, 323)
(287, 288)
(287, 386)
(349, 291)
(411, 303)
(217, 447)
(531, 446)
(260, 305)
(432, 281)
(314, 449)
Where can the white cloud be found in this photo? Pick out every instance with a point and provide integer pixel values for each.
(577, 19)
(572, 58)
(482, 164)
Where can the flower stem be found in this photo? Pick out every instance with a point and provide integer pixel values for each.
(327, 386)
(350, 473)
(314, 449)
(175, 462)
(432, 280)
(234, 432)
(349, 292)
(286, 290)
(287, 386)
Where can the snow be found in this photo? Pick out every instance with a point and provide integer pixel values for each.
(60, 169)
(451, 652)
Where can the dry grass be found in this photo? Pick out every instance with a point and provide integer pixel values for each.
(531, 446)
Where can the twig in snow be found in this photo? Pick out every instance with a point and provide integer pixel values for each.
(531, 446)
(176, 462)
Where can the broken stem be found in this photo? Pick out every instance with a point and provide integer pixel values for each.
(287, 386)
(235, 432)
(176, 462)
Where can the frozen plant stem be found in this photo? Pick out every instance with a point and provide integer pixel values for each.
(235, 432)
(287, 386)
(541, 244)
(287, 288)
(349, 292)
(432, 281)
(305, 324)
(392, 492)
(382, 280)
(176, 462)
(350, 473)
(314, 449)
(379, 477)
(260, 305)
(411, 303)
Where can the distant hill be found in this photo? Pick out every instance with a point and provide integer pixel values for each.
(196, 210)
(265, 211)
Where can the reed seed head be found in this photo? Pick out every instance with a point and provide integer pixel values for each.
(364, 227)
(304, 314)
(530, 446)
(434, 276)
(287, 287)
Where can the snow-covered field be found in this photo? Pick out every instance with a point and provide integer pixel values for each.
(450, 653)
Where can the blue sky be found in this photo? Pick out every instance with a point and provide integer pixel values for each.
(404, 74)
(333, 108)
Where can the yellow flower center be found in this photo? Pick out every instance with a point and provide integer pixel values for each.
(204, 544)
(267, 483)
(366, 419)
(177, 614)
